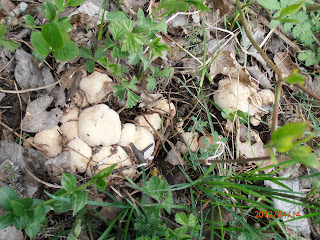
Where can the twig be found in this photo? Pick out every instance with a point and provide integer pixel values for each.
(30, 89)
(41, 181)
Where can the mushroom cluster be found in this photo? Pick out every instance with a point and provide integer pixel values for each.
(95, 137)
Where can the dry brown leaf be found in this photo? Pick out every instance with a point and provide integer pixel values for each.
(259, 76)
(284, 63)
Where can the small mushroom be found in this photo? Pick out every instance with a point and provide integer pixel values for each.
(255, 120)
(165, 108)
(99, 125)
(139, 136)
(70, 130)
(96, 86)
(154, 119)
(80, 154)
(72, 115)
(49, 140)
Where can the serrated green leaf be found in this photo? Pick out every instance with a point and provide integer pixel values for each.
(78, 201)
(108, 43)
(68, 182)
(116, 15)
(270, 4)
(165, 73)
(119, 28)
(7, 194)
(100, 52)
(155, 188)
(9, 44)
(61, 4)
(117, 53)
(303, 155)
(89, 66)
(85, 53)
(20, 205)
(167, 203)
(68, 52)
(132, 42)
(132, 99)
(282, 139)
(132, 84)
(40, 44)
(157, 47)
(309, 57)
(3, 30)
(48, 10)
(28, 19)
(120, 91)
(6, 220)
(52, 35)
(151, 83)
(75, 3)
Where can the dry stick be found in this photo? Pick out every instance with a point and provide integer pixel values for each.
(30, 89)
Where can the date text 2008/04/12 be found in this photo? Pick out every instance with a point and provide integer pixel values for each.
(279, 214)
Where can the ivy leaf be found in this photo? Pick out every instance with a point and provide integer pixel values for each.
(68, 52)
(151, 83)
(7, 194)
(132, 99)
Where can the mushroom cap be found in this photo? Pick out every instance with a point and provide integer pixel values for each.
(70, 130)
(72, 115)
(139, 136)
(99, 125)
(113, 156)
(95, 86)
(237, 96)
(154, 119)
(49, 140)
(80, 154)
(165, 108)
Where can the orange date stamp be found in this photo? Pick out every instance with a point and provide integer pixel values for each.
(279, 214)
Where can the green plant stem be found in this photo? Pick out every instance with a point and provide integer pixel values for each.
(102, 20)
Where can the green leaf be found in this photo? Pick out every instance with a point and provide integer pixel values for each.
(309, 57)
(270, 4)
(100, 52)
(108, 43)
(48, 10)
(182, 219)
(132, 84)
(6, 220)
(132, 42)
(151, 83)
(198, 4)
(132, 99)
(289, 10)
(157, 47)
(75, 3)
(32, 229)
(61, 4)
(29, 20)
(116, 15)
(9, 44)
(230, 114)
(155, 188)
(120, 27)
(117, 53)
(3, 30)
(38, 56)
(65, 26)
(167, 203)
(302, 154)
(85, 53)
(89, 66)
(20, 205)
(282, 139)
(78, 201)
(99, 178)
(295, 78)
(68, 182)
(68, 52)
(119, 91)
(287, 20)
(7, 194)
(52, 35)
(39, 43)
(165, 73)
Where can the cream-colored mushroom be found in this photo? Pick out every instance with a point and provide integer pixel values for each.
(72, 115)
(191, 138)
(96, 86)
(154, 119)
(80, 154)
(99, 125)
(80, 100)
(139, 136)
(255, 120)
(70, 130)
(164, 107)
(49, 140)
(267, 96)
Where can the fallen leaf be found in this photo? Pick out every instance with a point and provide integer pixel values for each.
(37, 118)
(259, 76)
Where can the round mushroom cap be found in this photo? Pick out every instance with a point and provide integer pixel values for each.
(49, 140)
(72, 115)
(95, 86)
(80, 154)
(70, 130)
(154, 119)
(99, 125)
(165, 108)
(139, 136)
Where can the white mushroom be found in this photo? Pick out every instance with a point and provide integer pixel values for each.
(96, 86)
(255, 120)
(191, 138)
(70, 130)
(267, 96)
(165, 108)
(49, 140)
(237, 96)
(80, 154)
(154, 119)
(99, 125)
(72, 115)
(139, 136)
